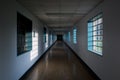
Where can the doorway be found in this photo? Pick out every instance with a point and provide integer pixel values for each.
(59, 37)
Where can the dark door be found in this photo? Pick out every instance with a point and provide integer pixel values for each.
(59, 37)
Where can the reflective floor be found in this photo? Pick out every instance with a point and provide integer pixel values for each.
(59, 63)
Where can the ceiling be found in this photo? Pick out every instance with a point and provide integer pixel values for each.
(59, 14)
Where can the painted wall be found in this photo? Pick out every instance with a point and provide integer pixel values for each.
(12, 67)
(107, 67)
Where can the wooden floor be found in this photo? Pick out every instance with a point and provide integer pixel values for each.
(59, 63)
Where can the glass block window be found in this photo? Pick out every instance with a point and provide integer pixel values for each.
(45, 32)
(69, 36)
(45, 36)
(75, 35)
(51, 39)
(95, 34)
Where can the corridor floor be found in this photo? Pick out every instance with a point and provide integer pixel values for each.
(59, 63)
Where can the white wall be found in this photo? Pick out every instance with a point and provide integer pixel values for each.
(111, 41)
(12, 67)
(107, 67)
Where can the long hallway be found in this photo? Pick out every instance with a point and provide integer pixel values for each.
(59, 63)
(29, 30)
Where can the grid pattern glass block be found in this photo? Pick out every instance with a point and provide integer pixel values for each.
(28, 41)
(75, 35)
(69, 36)
(45, 32)
(95, 34)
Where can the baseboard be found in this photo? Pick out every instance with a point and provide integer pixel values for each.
(22, 77)
(86, 66)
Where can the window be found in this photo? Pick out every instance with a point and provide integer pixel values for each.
(45, 37)
(95, 34)
(75, 35)
(24, 34)
(65, 36)
(69, 36)
(51, 38)
(46, 44)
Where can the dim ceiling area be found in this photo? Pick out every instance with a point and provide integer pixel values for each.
(60, 15)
